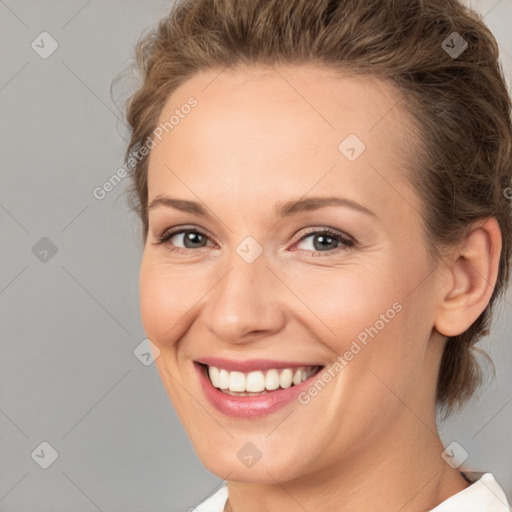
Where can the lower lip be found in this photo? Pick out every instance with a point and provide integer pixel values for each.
(254, 406)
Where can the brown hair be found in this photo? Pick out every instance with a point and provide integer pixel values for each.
(459, 102)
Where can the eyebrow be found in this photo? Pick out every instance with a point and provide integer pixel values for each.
(314, 203)
(282, 208)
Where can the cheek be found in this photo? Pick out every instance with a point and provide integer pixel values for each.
(348, 302)
(392, 367)
(367, 315)
(166, 295)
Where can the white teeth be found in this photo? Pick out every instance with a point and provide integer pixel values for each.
(214, 376)
(258, 382)
(272, 380)
(223, 379)
(236, 381)
(286, 378)
(255, 382)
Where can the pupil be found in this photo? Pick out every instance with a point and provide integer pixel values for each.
(323, 237)
(191, 236)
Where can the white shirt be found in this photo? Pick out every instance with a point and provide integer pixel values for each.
(483, 495)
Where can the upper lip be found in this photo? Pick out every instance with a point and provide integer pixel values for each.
(251, 365)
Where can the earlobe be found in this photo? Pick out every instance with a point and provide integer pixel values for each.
(471, 278)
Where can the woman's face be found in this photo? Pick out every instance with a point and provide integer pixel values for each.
(251, 282)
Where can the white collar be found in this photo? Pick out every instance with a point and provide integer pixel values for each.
(483, 495)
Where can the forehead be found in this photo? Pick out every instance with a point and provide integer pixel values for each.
(256, 132)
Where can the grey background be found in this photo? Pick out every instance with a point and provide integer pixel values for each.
(70, 324)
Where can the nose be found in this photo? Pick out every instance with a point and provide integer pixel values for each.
(246, 303)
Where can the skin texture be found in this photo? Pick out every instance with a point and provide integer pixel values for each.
(259, 136)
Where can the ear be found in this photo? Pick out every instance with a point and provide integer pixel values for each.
(470, 277)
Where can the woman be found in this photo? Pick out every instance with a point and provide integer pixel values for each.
(322, 190)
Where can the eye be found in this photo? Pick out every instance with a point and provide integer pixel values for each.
(191, 238)
(325, 240)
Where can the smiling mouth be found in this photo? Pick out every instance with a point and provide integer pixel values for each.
(259, 382)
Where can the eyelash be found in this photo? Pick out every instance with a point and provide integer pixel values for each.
(345, 240)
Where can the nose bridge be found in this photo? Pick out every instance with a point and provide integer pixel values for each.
(241, 301)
